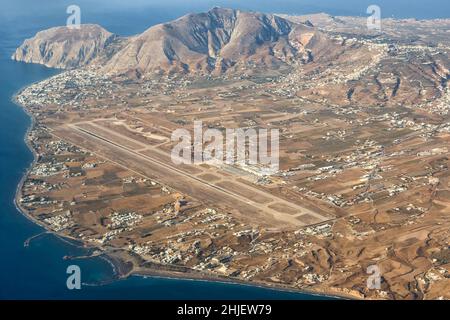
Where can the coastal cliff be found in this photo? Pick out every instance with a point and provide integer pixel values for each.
(65, 48)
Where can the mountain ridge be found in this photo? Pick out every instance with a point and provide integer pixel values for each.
(213, 42)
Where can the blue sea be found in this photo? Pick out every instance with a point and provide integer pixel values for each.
(39, 271)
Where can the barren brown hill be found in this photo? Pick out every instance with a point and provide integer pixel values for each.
(217, 41)
(64, 47)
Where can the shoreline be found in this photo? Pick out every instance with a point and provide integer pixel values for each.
(117, 264)
(224, 280)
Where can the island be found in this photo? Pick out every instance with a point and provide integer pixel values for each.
(363, 177)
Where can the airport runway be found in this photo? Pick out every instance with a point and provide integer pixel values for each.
(156, 164)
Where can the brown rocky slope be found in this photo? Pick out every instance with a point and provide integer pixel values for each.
(65, 48)
(217, 41)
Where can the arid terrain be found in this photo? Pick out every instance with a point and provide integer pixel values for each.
(364, 135)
